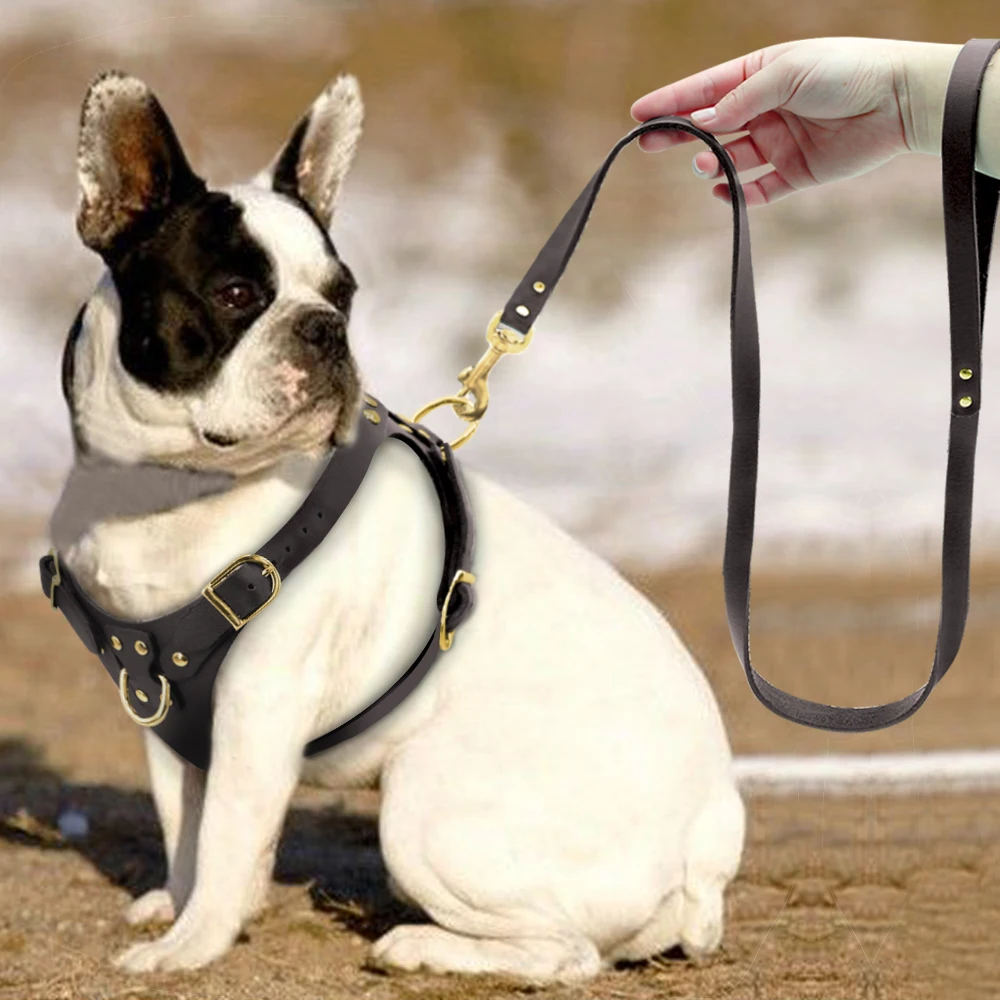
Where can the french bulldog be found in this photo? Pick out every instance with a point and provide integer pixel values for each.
(557, 794)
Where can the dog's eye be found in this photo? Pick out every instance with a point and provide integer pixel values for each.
(342, 297)
(341, 291)
(237, 295)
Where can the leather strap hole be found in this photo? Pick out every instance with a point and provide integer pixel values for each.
(249, 586)
(305, 530)
(288, 548)
(319, 513)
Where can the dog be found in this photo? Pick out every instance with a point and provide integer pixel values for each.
(557, 795)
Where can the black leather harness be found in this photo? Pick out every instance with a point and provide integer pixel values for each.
(173, 660)
(200, 631)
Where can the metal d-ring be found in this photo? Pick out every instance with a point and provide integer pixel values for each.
(444, 636)
(457, 403)
(161, 712)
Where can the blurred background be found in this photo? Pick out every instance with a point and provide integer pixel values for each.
(483, 122)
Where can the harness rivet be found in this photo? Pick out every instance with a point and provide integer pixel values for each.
(179, 659)
(965, 401)
(372, 416)
(370, 400)
(522, 310)
(141, 695)
(965, 373)
(141, 648)
(539, 286)
(116, 643)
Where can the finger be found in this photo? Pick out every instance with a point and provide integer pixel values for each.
(655, 142)
(743, 152)
(758, 94)
(700, 90)
(763, 190)
(704, 89)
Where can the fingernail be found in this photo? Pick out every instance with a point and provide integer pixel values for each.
(704, 116)
(698, 171)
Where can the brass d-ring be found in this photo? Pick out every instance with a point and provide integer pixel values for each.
(161, 712)
(444, 636)
(458, 404)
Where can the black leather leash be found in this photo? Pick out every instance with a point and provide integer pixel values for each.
(970, 205)
(171, 662)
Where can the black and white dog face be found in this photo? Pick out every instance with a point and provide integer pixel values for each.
(217, 337)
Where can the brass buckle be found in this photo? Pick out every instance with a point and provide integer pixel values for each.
(161, 712)
(444, 636)
(56, 576)
(224, 609)
(502, 340)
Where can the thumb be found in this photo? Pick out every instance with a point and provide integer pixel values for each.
(764, 91)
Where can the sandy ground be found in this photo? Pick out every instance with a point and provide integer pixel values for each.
(869, 897)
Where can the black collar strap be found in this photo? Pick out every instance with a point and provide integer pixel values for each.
(173, 660)
(970, 205)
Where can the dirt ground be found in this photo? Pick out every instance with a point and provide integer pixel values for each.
(867, 897)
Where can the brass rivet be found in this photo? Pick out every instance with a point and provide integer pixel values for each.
(141, 648)
(116, 642)
(522, 310)
(141, 695)
(965, 373)
(372, 416)
(179, 659)
(539, 286)
(370, 400)
(965, 401)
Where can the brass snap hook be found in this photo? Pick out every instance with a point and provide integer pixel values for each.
(474, 378)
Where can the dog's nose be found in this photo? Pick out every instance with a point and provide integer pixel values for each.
(321, 327)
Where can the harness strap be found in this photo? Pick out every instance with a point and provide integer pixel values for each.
(179, 654)
(970, 206)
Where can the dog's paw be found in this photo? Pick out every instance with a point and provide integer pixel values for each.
(154, 907)
(408, 947)
(397, 949)
(172, 951)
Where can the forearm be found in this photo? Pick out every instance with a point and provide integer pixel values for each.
(924, 70)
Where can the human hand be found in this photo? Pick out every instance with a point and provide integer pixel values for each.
(816, 110)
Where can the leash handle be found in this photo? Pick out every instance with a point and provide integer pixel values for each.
(970, 207)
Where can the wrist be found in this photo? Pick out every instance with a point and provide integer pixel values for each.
(922, 73)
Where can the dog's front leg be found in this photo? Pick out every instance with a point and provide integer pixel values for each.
(178, 790)
(257, 736)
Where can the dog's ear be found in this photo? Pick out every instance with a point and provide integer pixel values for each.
(130, 163)
(314, 161)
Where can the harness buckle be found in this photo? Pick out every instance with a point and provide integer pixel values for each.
(474, 378)
(444, 636)
(269, 570)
